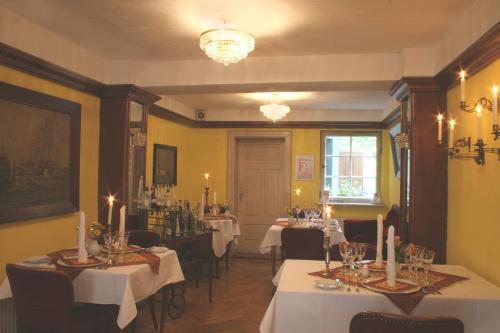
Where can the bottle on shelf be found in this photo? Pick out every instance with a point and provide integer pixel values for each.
(180, 214)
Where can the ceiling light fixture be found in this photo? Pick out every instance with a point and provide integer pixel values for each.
(274, 111)
(227, 45)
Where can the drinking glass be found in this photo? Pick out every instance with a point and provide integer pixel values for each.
(419, 252)
(427, 259)
(410, 263)
(360, 251)
(109, 242)
(350, 256)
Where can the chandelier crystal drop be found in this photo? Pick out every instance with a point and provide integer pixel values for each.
(227, 45)
(274, 111)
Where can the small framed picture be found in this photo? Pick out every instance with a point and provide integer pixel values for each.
(304, 167)
(164, 164)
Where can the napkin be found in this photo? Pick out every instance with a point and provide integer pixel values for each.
(380, 229)
(391, 258)
(82, 251)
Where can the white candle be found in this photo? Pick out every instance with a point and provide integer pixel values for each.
(327, 219)
(121, 230)
(297, 192)
(110, 209)
(462, 86)
(479, 123)
(380, 229)
(440, 127)
(82, 251)
(215, 198)
(202, 206)
(495, 104)
(391, 258)
(206, 179)
(450, 133)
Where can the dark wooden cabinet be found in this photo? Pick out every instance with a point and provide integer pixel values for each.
(122, 147)
(424, 176)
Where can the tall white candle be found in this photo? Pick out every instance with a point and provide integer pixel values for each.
(391, 258)
(440, 127)
(215, 198)
(121, 230)
(462, 86)
(297, 192)
(479, 123)
(82, 251)
(206, 179)
(494, 96)
(202, 206)
(451, 133)
(110, 209)
(380, 230)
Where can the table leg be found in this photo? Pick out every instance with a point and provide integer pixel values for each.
(273, 260)
(228, 252)
(164, 301)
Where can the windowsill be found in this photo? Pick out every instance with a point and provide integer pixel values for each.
(354, 204)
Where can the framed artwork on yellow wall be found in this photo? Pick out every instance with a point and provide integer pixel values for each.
(304, 166)
(164, 164)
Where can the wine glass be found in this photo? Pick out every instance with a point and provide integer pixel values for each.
(419, 252)
(360, 251)
(427, 259)
(109, 242)
(410, 263)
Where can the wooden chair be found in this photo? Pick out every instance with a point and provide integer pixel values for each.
(377, 322)
(44, 302)
(365, 231)
(302, 243)
(145, 239)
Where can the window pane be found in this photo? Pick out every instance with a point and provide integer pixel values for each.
(357, 187)
(341, 187)
(328, 171)
(357, 166)
(369, 187)
(341, 145)
(328, 184)
(340, 166)
(369, 167)
(364, 146)
(329, 146)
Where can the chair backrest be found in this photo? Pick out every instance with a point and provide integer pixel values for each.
(377, 322)
(43, 298)
(143, 238)
(302, 243)
(392, 218)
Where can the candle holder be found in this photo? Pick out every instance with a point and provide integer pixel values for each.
(206, 209)
(477, 154)
(485, 104)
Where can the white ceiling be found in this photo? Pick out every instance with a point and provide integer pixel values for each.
(169, 29)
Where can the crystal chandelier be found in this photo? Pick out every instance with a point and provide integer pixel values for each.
(274, 111)
(227, 45)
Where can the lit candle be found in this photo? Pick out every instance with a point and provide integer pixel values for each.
(479, 123)
(440, 127)
(215, 198)
(297, 192)
(206, 179)
(391, 258)
(452, 123)
(494, 108)
(110, 209)
(380, 230)
(82, 251)
(462, 86)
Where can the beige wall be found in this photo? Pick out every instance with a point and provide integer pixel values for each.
(473, 190)
(19, 240)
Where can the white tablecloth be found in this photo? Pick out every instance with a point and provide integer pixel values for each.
(123, 286)
(298, 306)
(273, 237)
(228, 229)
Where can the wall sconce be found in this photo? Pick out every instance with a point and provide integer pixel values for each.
(455, 147)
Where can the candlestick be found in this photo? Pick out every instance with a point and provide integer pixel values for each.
(110, 209)
(451, 132)
(327, 218)
(440, 127)
(206, 179)
(494, 108)
(462, 86)
(479, 123)
(380, 229)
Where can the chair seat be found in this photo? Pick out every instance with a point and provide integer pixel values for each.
(85, 319)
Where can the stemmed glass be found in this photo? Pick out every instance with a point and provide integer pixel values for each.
(419, 252)
(427, 259)
(109, 242)
(360, 251)
(350, 256)
(410, 263)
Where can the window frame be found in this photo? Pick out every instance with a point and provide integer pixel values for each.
(351, 200)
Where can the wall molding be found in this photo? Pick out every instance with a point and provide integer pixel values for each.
(477, 56)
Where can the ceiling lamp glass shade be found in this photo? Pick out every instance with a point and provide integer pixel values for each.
(227, 45)
(274, 111)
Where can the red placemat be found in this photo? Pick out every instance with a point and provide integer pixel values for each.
(138, 258)
(405, 302)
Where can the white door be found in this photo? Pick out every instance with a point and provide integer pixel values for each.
(260, 188)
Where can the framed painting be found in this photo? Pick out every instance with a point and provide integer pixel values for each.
(164, 164)
(304, 166)
(39, 154)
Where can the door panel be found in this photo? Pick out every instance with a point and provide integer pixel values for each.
(260, 188)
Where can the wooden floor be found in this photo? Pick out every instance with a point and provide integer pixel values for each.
(240, 299)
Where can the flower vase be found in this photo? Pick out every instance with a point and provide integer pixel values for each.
(93, 248)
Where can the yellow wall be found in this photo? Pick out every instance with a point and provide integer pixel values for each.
(473, 190)
(19, 240)
(205, 150)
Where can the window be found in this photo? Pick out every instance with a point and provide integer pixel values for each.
(350, 165)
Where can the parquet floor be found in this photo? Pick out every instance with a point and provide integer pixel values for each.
(240, 298)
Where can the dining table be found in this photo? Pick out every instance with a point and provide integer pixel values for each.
(123, 286)
(299, 305)
(272, 238)
(226, 230)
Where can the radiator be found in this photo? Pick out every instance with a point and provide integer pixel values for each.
(7, 316)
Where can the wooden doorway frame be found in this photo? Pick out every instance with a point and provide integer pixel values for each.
(232, 139)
